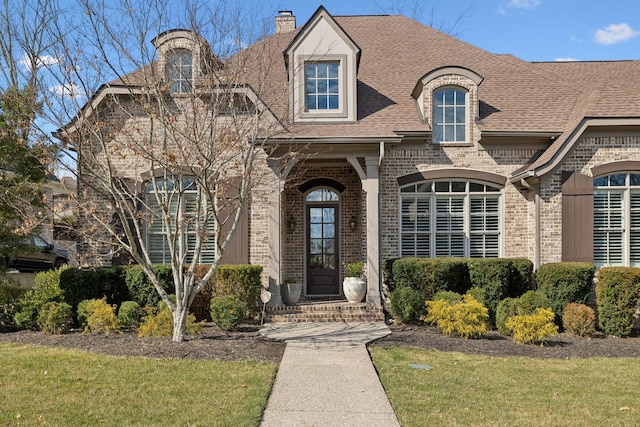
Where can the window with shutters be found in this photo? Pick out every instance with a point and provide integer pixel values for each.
(187, 217)
(616, 220)
(450, 219)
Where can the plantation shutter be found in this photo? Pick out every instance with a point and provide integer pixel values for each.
(577, 218)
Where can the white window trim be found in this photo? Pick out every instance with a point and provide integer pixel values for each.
(467, 115)
(432, 195)
(626, 190)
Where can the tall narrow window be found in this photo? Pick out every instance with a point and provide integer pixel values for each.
(450, 218)
(188, 218)
(616, 220)
(179, 71)
(449, 115)
(322, 86)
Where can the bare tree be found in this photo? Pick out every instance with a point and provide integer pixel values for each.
(171, 151)
(23, 153)
(416, 9)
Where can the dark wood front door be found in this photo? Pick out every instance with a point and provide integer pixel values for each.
(322, 249)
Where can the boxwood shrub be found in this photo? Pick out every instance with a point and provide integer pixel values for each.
(82, 284)
(493, 276)
(564, 283)
(140, 288)
(617, 293)
(521, 277)
(526, 304)
(430, 275)
(407, 305)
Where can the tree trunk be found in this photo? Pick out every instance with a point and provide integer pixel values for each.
(179, 323)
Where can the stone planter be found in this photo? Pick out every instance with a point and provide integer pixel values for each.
(354, 288)
(290, 292)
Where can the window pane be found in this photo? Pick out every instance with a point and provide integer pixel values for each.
(449, 132)
(311, 102)
(601, 182)
(460, 115)
(322, 103)
(460, 133)
(617, 179)
(333, 70)
(333, 102)
(315, 231)
(442, 186)
(310, 70)
(634, 179)
(458, 186)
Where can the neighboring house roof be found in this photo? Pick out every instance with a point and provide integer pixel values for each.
(515, 96)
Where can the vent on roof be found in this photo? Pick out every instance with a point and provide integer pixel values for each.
(285, 21)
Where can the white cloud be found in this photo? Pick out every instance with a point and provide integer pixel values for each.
(43, 61)
(71, 91)
(566, 59)
(518, 4)
(524, 4)
(575, 39)
(615, 33)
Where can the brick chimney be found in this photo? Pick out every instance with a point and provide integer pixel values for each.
(285, 21)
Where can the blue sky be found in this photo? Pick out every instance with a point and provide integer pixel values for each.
(533, 30)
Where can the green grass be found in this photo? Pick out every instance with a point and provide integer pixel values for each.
(48, 386)
(469, 390)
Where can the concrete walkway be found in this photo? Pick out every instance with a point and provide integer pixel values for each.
(326, 377)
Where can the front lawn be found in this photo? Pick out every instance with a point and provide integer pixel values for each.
(51, 386)
(470, 390)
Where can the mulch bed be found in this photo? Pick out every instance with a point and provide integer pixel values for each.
(247, 344)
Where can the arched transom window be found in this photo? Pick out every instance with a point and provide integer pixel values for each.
(450, 219)
(616, 219)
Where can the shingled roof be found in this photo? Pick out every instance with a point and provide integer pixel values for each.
(514, 96)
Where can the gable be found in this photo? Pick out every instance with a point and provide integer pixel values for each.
(322, 63)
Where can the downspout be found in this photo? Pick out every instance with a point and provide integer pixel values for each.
(536, 240)
(380, 272)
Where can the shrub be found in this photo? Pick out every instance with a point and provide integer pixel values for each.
(102, 317)
(467, 318)
(530, 301)
(55, 317)
(565, 282)
(448, 296)
(533, 328)
(492, 275)
(526, 304)
(158, 322)
(101, 282)
(46, 289)
(387, 274)
(521, 279)
(578, 319)
(617, 293)
(430, 275)
(227, 312)
(241, 280)
(10, 296)
(407, 305)
(140, 288)
(82, 314)
(507, 308)
(129, 314)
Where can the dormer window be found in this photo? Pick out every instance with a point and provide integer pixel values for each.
(450, 115)
(179, 70)
(322, 86)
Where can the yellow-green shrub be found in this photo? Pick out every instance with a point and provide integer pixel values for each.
(578, 319)
(533, 328)
(55, 317)
(102, 317)
(466, 318)
(159, 323)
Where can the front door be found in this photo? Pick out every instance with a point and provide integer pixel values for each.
(322, 249)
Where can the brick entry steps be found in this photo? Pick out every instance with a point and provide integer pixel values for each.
(325, 311)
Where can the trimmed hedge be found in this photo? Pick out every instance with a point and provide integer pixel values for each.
(617, 293)
(240, 280)
(406, 305)
(102, 282)
(430, 275)
(140, 288)
(493, 276)
(521, 279)
(387, 274)
(564, 283)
